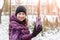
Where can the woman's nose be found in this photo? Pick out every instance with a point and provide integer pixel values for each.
(21, 16)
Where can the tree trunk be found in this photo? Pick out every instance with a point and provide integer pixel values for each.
(1, 12)
(0, 15)
(10, 8)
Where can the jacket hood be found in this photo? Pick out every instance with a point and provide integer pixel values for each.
(14, 18)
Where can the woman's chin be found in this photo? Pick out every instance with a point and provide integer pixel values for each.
(21, 20)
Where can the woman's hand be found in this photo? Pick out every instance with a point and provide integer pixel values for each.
(37, 28)
(38, 21)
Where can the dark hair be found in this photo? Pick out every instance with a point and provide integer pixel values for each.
(25, 22)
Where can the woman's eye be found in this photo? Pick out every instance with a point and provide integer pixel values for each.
(23, 14)
(19, 13)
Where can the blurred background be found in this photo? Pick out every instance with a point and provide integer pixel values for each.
(49, 11)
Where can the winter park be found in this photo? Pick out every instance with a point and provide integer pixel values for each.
(48, 11)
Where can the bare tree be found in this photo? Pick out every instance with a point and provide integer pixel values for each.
(1, 12)
(10, 8)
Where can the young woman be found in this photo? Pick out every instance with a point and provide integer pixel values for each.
(18, 29)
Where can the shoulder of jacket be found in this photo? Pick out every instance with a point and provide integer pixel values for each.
(13, 22)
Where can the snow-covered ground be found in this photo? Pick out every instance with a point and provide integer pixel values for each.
(4, 28)
(48, 35)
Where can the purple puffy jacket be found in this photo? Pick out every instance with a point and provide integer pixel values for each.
(18, 31)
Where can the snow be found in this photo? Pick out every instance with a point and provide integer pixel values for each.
(4, 28)
(49, 35)
(53, 34)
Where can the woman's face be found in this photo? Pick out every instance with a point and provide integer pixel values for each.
(21, 16)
